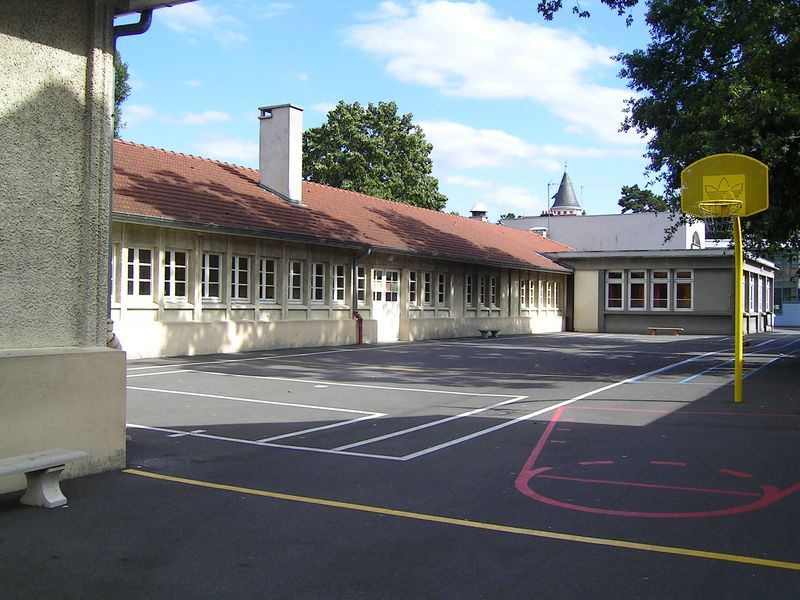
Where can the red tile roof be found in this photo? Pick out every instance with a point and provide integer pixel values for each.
(187, 191)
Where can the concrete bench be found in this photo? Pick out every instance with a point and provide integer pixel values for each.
(674, 330)
(42, 471)
(487, 333)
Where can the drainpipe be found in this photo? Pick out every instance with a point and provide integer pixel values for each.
(356, 315)
(145, 19)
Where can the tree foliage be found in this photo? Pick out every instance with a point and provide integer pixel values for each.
(637, 200)
(723, 76)
(548, 8)
(375, 151)
(121, 90)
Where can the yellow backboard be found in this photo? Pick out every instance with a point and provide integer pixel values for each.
(723, 185)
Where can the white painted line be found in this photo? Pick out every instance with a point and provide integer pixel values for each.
(221, 438)
(255, 401)
(768, 363)
(731, 360)
(320, 428)
(132, 375)
(427, 425)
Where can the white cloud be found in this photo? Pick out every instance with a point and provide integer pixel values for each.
(204, 118)
(323, 107)
(517, 200)
(229, 149)
(386, 10)
(467, 50)
(133, 114)
(467, 182)
(195, 19)
(276, 9)
(464, 147)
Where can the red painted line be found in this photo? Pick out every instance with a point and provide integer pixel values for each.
(585, 463)
(537, 449)
(656, 486)
(735, 473)
(668, 463)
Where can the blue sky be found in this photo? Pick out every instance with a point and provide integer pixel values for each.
(505, 97)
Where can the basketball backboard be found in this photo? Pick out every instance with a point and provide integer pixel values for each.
(724, 185)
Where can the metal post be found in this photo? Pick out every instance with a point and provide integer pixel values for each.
(738, 310)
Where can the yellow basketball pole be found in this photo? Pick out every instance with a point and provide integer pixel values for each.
(738, 310)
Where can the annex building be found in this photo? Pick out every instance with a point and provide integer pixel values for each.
(210, 257)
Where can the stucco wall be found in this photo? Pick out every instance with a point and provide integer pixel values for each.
(587, 301)
(60, 386)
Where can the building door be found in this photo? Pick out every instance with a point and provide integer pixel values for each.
(386, 303)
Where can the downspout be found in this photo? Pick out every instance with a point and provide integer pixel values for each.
(356, 315)
(145, 20)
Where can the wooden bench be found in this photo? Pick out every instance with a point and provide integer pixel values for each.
(489, 333)
(42, 471)
(674, 330)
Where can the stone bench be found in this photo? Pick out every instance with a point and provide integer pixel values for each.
(674, 330)
(42, 471)
(489, 333)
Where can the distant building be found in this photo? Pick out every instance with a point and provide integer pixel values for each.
(565, 203)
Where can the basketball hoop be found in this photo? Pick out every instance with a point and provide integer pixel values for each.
(718, 217)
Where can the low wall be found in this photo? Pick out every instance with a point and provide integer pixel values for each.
(187, 338)
(441, 328)
(70, 398)
(790, 315)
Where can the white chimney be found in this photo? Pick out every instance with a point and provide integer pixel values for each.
(280, 151)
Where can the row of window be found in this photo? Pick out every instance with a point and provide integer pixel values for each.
(313, 282)
(657, 290)
(175, 278)
(759, 296)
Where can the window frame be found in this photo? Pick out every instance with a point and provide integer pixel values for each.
(616, 278)
(338, 284)
(264, 275)
(171, 279)
(134, 263)
(441, 289)
(206, 281)
(679, 280)
(240, 270)
(361, 285)
(294, 281)
(656, 280)
(427, 288)
(413, 292)
(641, 282)
(493, 291)
(317, 283)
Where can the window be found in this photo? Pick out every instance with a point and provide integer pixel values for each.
(751, 298)
(768, 304)
(210, 276)
(482, 291)
(540, 303)
(392, 286)
(549, 294)
(532, 293)
(614, 281)
(523, 292)
(637, 283)
(556, 286)
(412, 287)
(427, 292)
(493, 291)
(175, 275)
(361, 285)
(267, 278)
(140, 271)
(295, 280)
(441, 288)
(683, 290)
(317, 282)
(468, 291)
(659, 290)
(240, 278)
(338, 284)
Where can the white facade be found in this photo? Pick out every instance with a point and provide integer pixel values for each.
(608, 233)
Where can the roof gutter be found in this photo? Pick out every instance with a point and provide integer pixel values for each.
(145, 20)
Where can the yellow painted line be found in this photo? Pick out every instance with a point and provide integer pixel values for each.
(750, 560)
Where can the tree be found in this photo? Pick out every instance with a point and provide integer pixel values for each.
(723, 76)
(375, 151)
(637, 200)
(548, 8)
(121, 90)
(508, 216)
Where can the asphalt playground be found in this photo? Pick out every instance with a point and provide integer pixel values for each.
(563, 465)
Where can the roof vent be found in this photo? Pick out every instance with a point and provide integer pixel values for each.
(478, 212)
(280, 151)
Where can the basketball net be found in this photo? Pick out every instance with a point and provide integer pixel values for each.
(718, 216)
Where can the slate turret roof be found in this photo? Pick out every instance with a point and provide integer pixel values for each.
(565, 196)
(178, 190)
